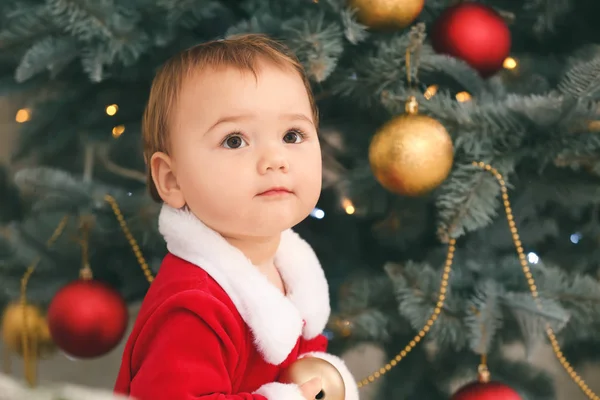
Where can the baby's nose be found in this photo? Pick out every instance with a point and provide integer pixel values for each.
(273, 160)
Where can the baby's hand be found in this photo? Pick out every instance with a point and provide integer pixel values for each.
(311, 389)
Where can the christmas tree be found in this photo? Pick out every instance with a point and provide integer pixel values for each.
(478, 232)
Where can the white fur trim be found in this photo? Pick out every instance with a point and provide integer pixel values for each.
(349, 381)
(276, 321)
(280, 391)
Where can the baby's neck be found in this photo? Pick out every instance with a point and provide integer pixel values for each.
(260, 251)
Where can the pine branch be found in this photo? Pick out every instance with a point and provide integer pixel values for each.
(51, 53)
(354, 31)
(582, 80)
(375, 324)
(97, 56)
(484, 316)
(89, 20)
(416, 286)
(366, 194)
(317, 43)
(482, 128)
(382, 69)
(468, 200)
(28, 239)
(25, 25)
(189, 13)
(46, 181)
(364, 291)
(531, 320)
(569, 188)
(17, 251)
(45, 134)
(547, 13)
(580, 291)
(50, 187)
(454, 68)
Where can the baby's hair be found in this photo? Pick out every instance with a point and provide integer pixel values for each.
(244, 52)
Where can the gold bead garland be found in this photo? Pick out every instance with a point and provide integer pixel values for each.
(434, 316)
(531, 282)
(132, 242)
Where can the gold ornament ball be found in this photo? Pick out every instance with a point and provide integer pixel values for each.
(412, 154)
(387, 14)
(18, 318)
(307, 368)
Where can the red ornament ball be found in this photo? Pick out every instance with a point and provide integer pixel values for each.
(475, 34)
(486, 391)
(87, 318)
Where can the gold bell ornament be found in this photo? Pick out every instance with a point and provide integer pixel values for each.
(26, 321)
(307, 368)
(25, 332)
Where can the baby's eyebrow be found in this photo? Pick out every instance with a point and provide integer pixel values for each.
(297, 116)
(230, 118)
(241, 117)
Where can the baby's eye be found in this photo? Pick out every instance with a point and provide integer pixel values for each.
(293, 136)
(234, 142)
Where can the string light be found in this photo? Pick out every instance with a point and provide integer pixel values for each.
(348, 206)
(463, 97)
(118, 131)
(433, 89)
(112, 109)
(430, 92)
(509, 63)
(533, 258)
(23, 115)
(317, 213)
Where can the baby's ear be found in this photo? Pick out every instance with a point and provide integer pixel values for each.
(165, 181)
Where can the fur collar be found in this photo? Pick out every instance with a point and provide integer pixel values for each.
(276, 321)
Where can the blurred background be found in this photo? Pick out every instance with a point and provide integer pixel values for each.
(514, 85)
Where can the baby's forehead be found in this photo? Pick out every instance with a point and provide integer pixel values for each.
(270, 89)
(222, 70)
(232, 80)
(210, 77)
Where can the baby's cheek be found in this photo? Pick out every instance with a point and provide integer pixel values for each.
(311, 190)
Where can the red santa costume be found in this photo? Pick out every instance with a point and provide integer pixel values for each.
(213, 327)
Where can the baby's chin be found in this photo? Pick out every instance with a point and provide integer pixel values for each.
(257, 220)
(275, 225)
(265, 226)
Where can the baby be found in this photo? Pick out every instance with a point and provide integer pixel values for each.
(230, 138)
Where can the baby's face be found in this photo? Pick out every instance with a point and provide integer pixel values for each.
(245, 151)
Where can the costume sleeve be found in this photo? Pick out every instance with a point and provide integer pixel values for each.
(317, 347)
(190, 358)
